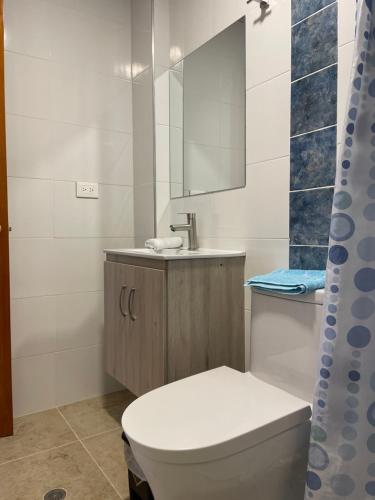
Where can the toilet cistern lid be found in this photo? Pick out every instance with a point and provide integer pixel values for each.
(211, 415)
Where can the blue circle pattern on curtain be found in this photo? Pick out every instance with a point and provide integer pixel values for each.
(342, 450)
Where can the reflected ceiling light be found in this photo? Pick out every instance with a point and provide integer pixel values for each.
(137, 69)
(123, 70)
(175, 54)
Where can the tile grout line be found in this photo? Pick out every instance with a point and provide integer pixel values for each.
(97, 434)
(314, 13)
(59, 351)
(279, 75)
(313, 131)
(68, 181)
(38, 452)
(89, 453)
(74, 124)
(309, 246)
(59, 63)
(314, 73)
(311, 189)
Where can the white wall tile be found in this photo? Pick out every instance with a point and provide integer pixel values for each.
(32, 267)
(69, 118)
(268, 120)
(143, 157)
(80, 374)
(79, 262)
(198, 23)
(100, 45)
(29, 147)
(247, 339)
(79, 320)
(33, 381)
(176, 152)
(226, 13)
(30, 207)
(177, 30)
(82, 153)
(110, 215)
(346, 21)
(162, 97)
(117, 11)
(163, 195)
(28, 27)
(78, 265)
(141, 43)
(144, 211)
(90, 99)
(261, 210)
(161, 32)
(27, 85)
(267, 58)
(33, 323)
(162, 153)
(345, 65)
(143, 101)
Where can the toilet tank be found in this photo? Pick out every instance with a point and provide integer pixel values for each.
(284, 340)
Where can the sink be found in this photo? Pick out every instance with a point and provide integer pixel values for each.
(176, 253)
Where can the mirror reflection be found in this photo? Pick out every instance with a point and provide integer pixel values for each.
(207, 116)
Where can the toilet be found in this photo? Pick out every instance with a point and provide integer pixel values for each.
(223, 434)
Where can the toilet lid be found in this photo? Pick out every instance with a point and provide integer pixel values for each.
(210, 415)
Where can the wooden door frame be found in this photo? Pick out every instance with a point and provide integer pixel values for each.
(6, 410)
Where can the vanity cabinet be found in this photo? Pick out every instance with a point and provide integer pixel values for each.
(168, 319)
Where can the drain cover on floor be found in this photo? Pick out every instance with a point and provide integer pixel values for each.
(57, 494)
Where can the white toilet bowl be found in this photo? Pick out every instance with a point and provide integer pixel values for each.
(220, 435)
(224, 435)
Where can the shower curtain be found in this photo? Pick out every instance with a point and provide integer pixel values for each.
(342, 448)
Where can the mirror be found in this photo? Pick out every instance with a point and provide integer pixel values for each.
(207, 116)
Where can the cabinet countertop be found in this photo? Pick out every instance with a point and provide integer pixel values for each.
(176, 254)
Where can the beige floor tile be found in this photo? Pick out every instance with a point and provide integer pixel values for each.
(33, 433)
(68, 467)
(97, 415)
(108, 451)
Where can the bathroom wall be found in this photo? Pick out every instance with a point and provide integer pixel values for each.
(313, 141)
(143, 120)
(255, 218)
(69, 118)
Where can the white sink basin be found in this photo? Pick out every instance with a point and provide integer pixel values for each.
(176, 254)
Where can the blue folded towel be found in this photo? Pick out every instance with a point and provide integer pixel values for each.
(289, 281)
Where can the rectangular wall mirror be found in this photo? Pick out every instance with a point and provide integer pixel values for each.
(208, 116)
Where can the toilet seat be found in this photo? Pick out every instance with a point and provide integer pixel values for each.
(210, 416)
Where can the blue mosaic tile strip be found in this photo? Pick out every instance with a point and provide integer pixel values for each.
(308, 257)
(313, 159)
(310, 216)
(314, 101)
(305, 8)
(314, 43)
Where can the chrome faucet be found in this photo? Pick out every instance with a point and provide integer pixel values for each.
(190, 227)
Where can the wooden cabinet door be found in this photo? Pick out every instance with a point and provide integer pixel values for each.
(146, 337)
(117, 280)
(135, 326)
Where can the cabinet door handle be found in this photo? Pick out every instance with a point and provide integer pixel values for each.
(131, 304)
(123, 289)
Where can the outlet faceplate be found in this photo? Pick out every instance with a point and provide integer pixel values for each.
(87, 190)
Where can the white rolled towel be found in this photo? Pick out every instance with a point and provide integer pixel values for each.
(158, 244)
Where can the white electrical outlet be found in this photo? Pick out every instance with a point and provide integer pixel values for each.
(87, 190)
